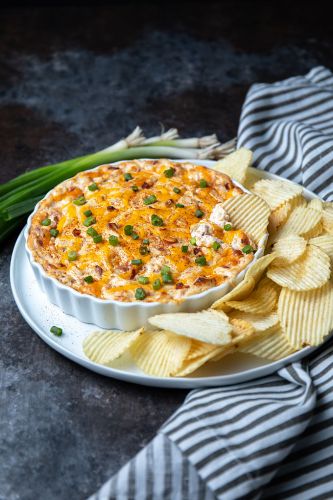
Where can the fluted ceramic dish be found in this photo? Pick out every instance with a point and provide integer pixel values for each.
(41, 314)
(107, 313)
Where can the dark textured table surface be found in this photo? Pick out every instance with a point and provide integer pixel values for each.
(73, 80)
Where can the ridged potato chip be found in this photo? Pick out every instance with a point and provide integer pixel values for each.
(259, 322)
(208, 326)
(309, 271)
(257, 269)
(273, 345)
(306, 317)
(160, 353)
(250, 213)
(253, 175)
(325, 242)
(303, 221)
(298, 201)
(104, 347)
(316, 204)
(199, 349)
(245, 287)
(236, 164)
(288, 249)
(240, 329)
(241, 291)
(261, 301)
(190, 365)
(278, 217)
(328, 217)
(276, 192)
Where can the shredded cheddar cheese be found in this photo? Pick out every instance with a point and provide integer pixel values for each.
(170, 206)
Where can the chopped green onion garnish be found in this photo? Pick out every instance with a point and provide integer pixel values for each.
(216, 245)
(143, 280)
(203, 183)
(176, 190)
(88, 279)
(156, 220)
(227, 227)
(193, 241)
(80, 200)
(56, 331)
(128, 230)
(180, 205)
(46, 222)
(113, 240)
(93, 187)
(167, 278)
(135, 236)
(135, 188)
(72, 255)
(54, 232)
(140, 294)
(136, 262)
(98, 238)
(201, 261)
(89, 221)
(145, 241)
(144, 250)
(166, 274)
(170, 172)
(92, 232)
(128, 177)
(149, 200)
(185, 248)
(157, 284)
(199, 213)
(247, 249)
(87, 213)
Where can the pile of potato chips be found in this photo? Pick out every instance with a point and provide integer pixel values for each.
(283, 304)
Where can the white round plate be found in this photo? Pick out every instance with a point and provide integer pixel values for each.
(40, 314)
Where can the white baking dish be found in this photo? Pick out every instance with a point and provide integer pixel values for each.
(126, 315)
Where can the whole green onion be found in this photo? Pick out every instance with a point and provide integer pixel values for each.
(19, 196)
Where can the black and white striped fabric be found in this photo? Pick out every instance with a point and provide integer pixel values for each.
(272, 437)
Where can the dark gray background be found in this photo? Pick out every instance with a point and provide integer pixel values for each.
(73, 80)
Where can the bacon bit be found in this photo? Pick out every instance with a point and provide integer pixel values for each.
(40, 242)
(169, 203)
(245, 240)
(99, 270)
(134, 272)
(110, 208)
(76, 232)
(204, 280)
(179, 286)
(197, 250)
(71, 188)
(123, 268)
(155, 162)
(111, 167)
(227, 186)
(146, 185)
(113, 225)
(170, 241)
(237, 252)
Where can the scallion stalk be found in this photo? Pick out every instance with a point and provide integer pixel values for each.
(19, 196)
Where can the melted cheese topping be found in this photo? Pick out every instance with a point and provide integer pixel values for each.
(179, 196)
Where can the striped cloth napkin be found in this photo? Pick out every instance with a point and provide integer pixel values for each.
(271, 437)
